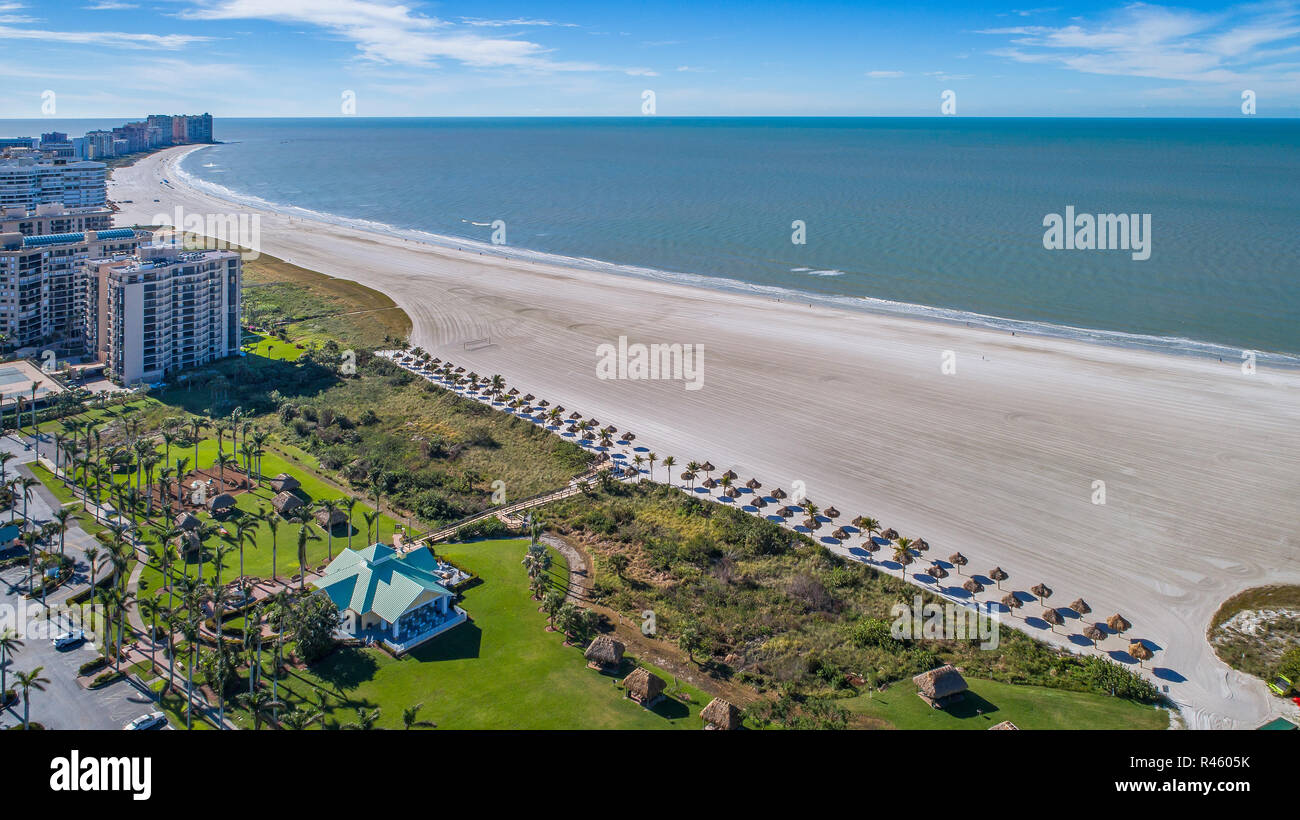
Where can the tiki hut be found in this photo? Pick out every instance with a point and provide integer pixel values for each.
(958, 560)
(285, 483)
(559, 409)
(285, 503)
(1094, 633)
(840, 534)
(186, 521)
(329, 519)
(720, 714)
(529, 397)
(731, 492)
(778, 494)
(999, 575)
(221, 504)
(688, 476)
(543, 403)
(643, 687)
(189, 545)
(1053, 617)
(1140, 651)
(1004, 726)
(920, 545)
(831, 512)
(1080, 606)
(1118, 623)
(758, 501)
(574, 416)
(1043, 591)
(709, 483)
(972, 586)
(811, 523)
(860, 521)
(890, 534)
(514, 391)
(629, 436)
(940, 687)
(731, 474)
(752, 484)
(937, 572)
(708, 467)
(604, 653)
(1011, 602)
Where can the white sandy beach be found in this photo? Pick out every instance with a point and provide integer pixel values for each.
(997, 460)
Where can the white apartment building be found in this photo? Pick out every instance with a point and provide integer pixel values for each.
(27, 182)
(50, 218)
(164, 310)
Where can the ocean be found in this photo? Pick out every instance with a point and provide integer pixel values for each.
(940, 217)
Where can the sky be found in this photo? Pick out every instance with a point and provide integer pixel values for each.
(280, 58)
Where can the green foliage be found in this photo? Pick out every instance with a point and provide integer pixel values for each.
(314, 619)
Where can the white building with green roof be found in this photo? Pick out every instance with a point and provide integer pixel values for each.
(389, 597)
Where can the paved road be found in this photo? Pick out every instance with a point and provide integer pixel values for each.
(63, 704)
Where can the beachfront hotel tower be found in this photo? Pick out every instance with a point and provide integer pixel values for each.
(163, 310)
(26, 182)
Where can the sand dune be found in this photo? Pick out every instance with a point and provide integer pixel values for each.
(997, 460)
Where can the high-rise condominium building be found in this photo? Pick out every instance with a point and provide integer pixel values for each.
(43, 286)
(164, 310)
(47, 219)
(28, 182)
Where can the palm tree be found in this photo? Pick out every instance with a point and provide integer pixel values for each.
(36, 430)
(5, 458)
(870, 527)
(29, 681)
(330, 506)
(348, 503)
(197, 425)
(619, 563)
(668, 462)
(371, 518)
(299, 719)
(903, 554)
(365, 720)
(60, 525)
(651, 458)
(222, 461)
(272, 520)
(168, 438)
(304, 532)
(245, 533)
(10, 644)
(259, 704)
(411, 720)
(150, 463)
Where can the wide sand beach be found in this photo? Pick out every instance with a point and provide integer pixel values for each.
(998, 460)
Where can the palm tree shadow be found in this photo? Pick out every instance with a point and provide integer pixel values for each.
(971, 705)
(346, 669)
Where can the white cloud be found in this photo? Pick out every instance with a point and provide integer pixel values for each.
(884, 75)
(112, 39)
(1163, 43)
(391, 33)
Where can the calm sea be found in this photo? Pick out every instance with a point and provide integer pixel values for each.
(941, 216)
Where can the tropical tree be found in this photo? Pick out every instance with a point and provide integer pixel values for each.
(903, 554)
(619, 563)
(10, 645)
(411, 717)
(29, 681)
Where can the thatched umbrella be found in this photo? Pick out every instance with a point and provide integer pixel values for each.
(753, 484)
(758, 501)
(921, 545)
(709, 483)
(831, 512)
(572, 428)
(958, 560)
(784, 512)
(870, 545)
(890, 534)
(1053, 617)
(1011, 602)
(778, 494)
(1080, 606)
(998, 574)
(529, 397)
(574, 416)
(629, 436)
(937, 572)
(688, 476)
(543, 403)
(840, 534)
(1140, 651)
(731, 474)
(731, 492)
(708, 467)
(811, 523)
(1043, 591)
(972, 586)
(559, 409)
(1094, 633)
(720, 714)
(859, 521)
(1118, 623)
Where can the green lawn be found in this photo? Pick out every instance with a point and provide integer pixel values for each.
(502, 670)
(1029, 707)
(270, 347)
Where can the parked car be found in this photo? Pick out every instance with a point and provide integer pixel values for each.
(68, 640)
(153, 720)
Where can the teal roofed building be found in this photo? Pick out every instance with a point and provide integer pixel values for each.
(390, 597)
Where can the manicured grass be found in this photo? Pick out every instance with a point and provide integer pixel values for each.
(502, 670)
(269, 347)
(1029, 707)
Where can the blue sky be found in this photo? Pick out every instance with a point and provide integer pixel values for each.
(123, 58)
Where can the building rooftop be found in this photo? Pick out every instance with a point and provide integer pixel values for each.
(377, 579)
(64, 238)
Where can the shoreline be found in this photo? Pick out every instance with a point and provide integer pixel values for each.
(996, 460)
(1169, 345)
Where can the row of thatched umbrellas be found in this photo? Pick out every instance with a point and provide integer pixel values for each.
(1117, 624)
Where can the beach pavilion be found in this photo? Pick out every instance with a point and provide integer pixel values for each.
(392, 598)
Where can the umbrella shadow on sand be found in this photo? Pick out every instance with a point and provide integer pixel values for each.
(1166, 674)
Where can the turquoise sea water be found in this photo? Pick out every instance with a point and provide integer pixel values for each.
(939, 216)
